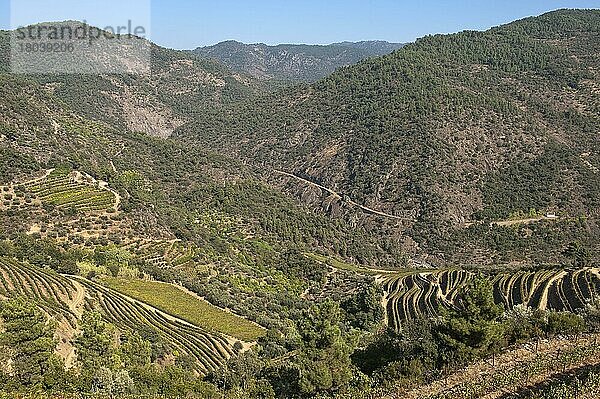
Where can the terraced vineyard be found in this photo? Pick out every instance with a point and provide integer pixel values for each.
(163, 254)
(210, 350)
(62, 189)
(177, 302)
(413, 295)
(422, 294)
(53, 293)
(548, 289)
(72, 207)
(64, 298)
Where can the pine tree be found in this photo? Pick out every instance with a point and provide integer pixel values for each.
(93, 345)
(29, 338)
(473, 329)
(323, 360)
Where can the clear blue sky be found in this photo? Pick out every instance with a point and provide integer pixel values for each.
(189, 23)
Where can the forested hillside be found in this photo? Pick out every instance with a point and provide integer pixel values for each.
(178, 87)
(290, 62)
(449, 131)
(422, 224)
(168, 190)
(90, 212)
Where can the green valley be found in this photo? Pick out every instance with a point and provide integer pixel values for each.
(358, 220)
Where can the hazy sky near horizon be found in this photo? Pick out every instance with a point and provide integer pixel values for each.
(186, 24)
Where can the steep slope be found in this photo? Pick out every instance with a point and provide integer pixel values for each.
(73, 187)
(178, 86)
(288, 62)
(470, 126)
(65, 298)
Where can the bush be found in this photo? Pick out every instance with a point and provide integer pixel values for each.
(565, 323)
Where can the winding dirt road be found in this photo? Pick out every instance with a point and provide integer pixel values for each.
(339, 196)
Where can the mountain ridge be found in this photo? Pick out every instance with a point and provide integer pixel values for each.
(293, 62)
(473, 125)
(177, 86)
(360, 236)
